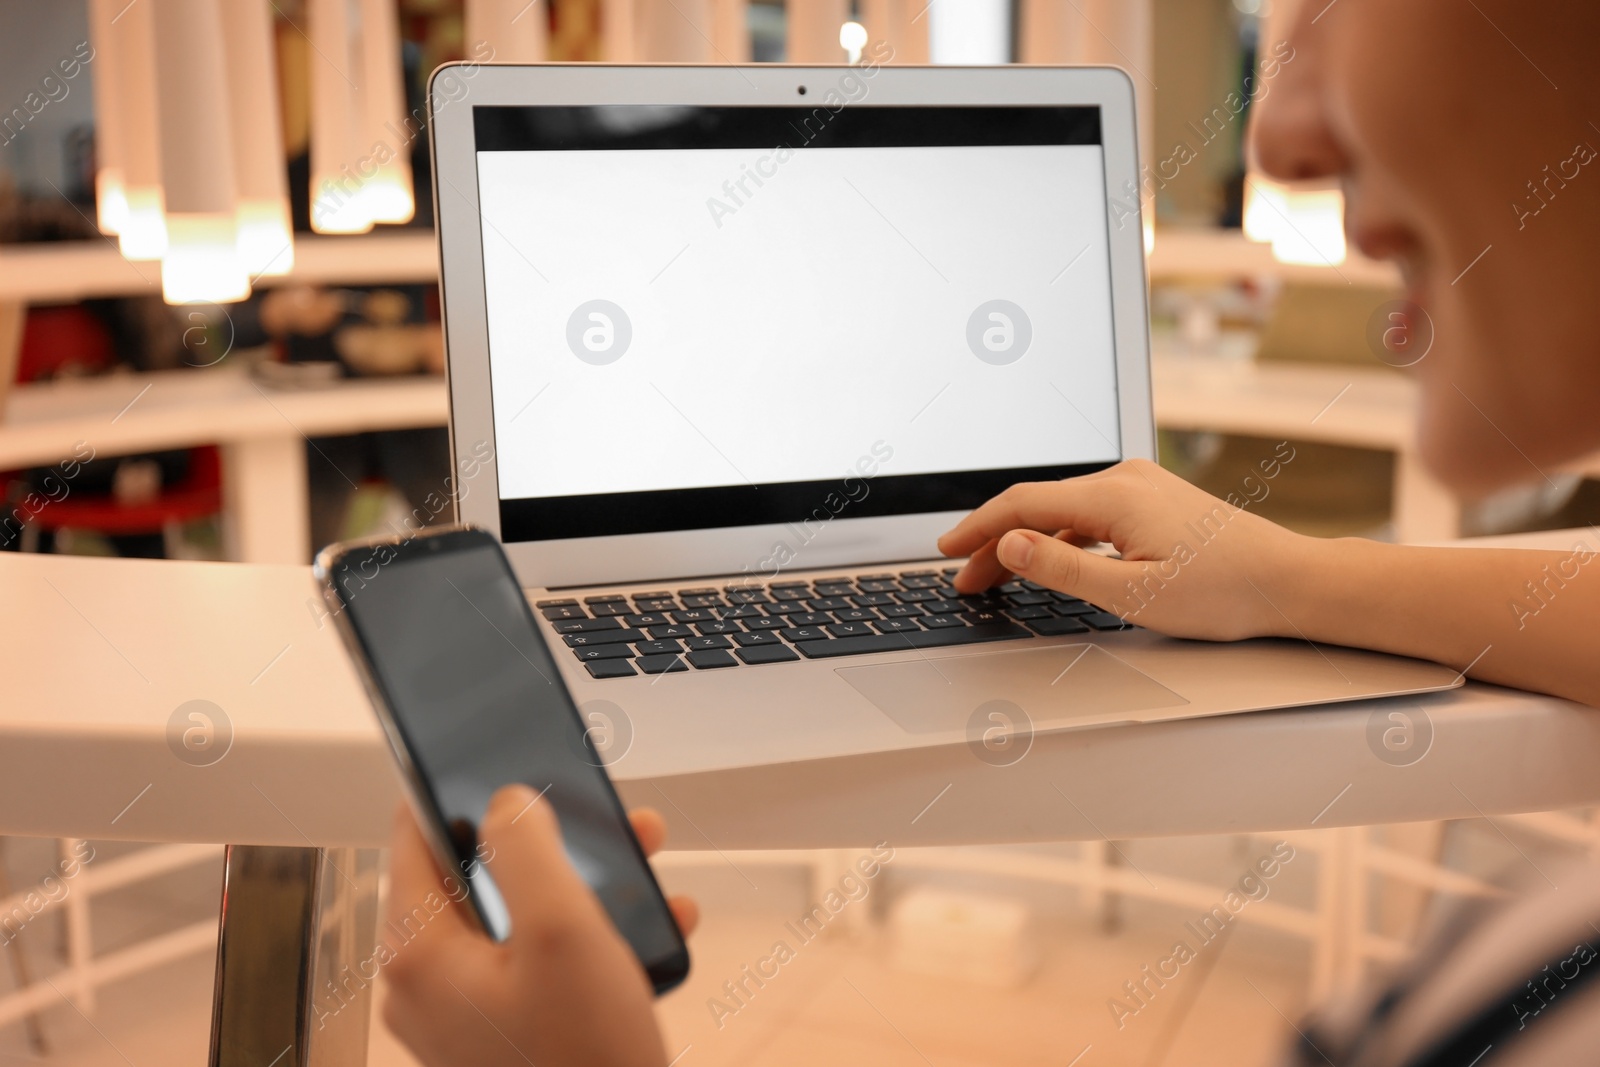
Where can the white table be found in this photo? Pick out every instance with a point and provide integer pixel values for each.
(262, 432)
(108, 654)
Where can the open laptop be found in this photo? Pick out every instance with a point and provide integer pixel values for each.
(730, 347)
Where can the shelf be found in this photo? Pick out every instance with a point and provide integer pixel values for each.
(60, 273)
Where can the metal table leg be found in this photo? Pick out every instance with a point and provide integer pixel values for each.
(295, 957)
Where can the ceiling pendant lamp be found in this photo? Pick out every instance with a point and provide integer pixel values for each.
(335, 123)
(516, 30)
(201, 262)
(380, 155)
(266, 237)
(142, 230)
(110, 196)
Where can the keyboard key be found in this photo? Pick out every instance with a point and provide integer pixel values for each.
(941, 622)
(1011, 589)
(852, 629)
(703, 600)
(951, 571)
(856, 615)
(649, 618)
(702, 644)
(589, 655)
(788, 607)
(603, 637)
(711, 659)
(743, 611)
(662, 633)
(827, 589)
(919, 581)
(810, 618)
(899, 611)
(791, 592)
(655, 603)
(604, 598)
(1037, 611)
(804, 633)
(872, 600)
(654, 594)
(918, 596)
(658, 648)
(748, 596)
(830, 603)
(1077, 607)
(964, 635)
(611, 668)
(1104, 620)
(766, 624)
(1023, 600)
(661, 664)
(753, 639)
(875, 577)
(1057, 625)
(897, 626)
(581, 626)
(877, 585)
(612, 607)
(917, 574)
(693, 615)
(982, 618)
(564, 602)
(719, 627)
(568, 611)
(768, 654)
(948, 606)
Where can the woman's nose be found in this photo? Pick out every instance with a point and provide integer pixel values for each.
(1290, 137)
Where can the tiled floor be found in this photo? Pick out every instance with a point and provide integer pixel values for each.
(840, 1001)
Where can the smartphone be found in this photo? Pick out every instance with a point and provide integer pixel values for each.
(471, 700)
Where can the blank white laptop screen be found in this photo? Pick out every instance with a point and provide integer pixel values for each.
(706, 317)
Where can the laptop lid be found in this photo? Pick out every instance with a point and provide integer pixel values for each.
(746, 320)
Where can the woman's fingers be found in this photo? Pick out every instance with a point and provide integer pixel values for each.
(543, 893)
(414, 878)
(650, 828)
(1076, 504)
(686, 912)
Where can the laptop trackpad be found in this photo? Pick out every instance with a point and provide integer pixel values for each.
(1053, 686)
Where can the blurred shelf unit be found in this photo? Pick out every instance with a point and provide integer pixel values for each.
(59, 273)
(1189, 254)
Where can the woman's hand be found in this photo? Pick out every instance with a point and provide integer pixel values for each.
(1191, 566)
(565, 988)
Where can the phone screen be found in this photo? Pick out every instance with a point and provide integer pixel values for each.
(470, 684)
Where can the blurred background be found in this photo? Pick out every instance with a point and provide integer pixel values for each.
(219, 339)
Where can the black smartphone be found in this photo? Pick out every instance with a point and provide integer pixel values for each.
(471, 701)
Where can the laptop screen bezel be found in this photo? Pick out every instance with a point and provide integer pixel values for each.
(832, 538)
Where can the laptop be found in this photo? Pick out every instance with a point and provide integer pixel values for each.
(729, 347)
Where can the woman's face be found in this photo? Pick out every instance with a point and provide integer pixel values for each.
(1461, 133)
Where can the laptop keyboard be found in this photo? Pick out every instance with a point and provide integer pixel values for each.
(751, 624)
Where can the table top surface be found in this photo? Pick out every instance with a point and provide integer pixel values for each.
(106, 657)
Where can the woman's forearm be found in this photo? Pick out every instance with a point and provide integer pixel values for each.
(1510, 616)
